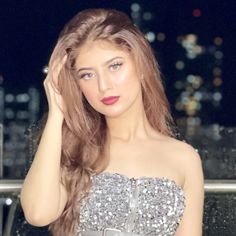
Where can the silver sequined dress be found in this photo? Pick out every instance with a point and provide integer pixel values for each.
(146, 206)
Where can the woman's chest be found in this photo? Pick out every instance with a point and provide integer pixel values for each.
(152, 206)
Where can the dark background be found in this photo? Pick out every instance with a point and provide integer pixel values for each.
(28, 32)
(29, 29)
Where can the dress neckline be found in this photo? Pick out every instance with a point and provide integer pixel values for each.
(142, 177)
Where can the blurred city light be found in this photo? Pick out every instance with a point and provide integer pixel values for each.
(197, 12)
(161, 37)
(147, 15)
(8, 201)
(218, 41)
(217, 71)
(135, 7)
(217, 81)
(150, 36)
(179, 65)
(9, 98)
(218, 55)
(45, 69)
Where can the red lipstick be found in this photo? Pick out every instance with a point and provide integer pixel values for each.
(110, 100)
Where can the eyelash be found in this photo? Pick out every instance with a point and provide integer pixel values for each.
(82, 76)
(116, 64)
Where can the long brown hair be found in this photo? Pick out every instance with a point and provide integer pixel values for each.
(85, 139)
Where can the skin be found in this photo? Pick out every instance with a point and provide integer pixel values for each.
(136, 149)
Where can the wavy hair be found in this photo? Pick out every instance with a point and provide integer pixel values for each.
(84, 135)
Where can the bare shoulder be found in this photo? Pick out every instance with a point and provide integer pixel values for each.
(183, 156)
(185, 162)
(182, 151)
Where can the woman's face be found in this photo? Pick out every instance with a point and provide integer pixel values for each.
(108, 78)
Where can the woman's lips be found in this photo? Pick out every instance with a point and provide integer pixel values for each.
(110, 100)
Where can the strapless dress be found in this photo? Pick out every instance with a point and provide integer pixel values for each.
(142, 206)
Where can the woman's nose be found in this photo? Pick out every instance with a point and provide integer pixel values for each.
(104, 82)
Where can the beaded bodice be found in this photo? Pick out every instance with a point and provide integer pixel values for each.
(146, 205)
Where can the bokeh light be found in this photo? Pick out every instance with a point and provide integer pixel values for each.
(45, 69)
(218, 41)
(179, 65)
(150, 36)
(135, 7)
(197, 12)
(161, 37)
(147, 15)
(217, 71)
(9, 98)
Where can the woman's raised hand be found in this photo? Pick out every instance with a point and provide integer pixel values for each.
(43, 197)
(54, 98)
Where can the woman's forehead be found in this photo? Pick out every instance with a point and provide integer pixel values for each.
(100, 45)
(99, 50)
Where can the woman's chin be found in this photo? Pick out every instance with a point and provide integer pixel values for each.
(113, 113)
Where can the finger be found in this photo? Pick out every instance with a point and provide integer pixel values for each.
(59, 63)
(56, 69)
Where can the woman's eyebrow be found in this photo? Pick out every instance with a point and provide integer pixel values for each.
(112, 59)
(105, 63)
(84, 68)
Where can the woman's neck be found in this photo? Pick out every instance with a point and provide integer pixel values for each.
(129, 126)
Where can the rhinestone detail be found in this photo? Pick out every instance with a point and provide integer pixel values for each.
(146, 205)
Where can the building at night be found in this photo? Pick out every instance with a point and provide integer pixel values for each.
(18, 112)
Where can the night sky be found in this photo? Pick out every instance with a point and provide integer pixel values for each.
(29, 29)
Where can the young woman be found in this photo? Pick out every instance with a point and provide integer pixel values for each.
(108, 162)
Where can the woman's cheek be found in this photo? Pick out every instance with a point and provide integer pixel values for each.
(88, 92)
(127, 81)
(122, 78)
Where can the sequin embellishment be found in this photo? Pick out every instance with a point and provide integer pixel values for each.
(147, 206)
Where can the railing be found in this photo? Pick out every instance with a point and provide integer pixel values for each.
(220, 186)
(210, 186)
(10, 185)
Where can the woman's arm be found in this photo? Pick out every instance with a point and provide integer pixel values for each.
(43, 197)
(191, 223)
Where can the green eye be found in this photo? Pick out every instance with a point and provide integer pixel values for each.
(116, 66)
